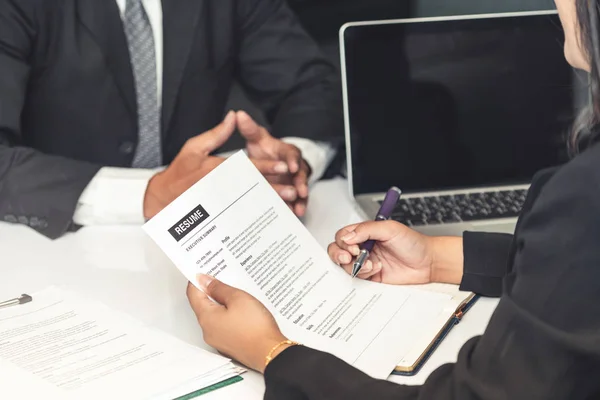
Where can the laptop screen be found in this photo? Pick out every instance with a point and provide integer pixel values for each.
(457, 103)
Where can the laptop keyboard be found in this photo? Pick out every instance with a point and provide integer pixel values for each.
(429, 210)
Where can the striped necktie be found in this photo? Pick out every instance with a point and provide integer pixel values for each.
(140, 41)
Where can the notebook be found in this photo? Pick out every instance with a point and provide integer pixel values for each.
(426, 345)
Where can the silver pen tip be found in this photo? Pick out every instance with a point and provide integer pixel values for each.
(25, 298)
(355, 269)
(360, 260)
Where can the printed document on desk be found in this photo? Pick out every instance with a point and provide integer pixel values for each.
(62, 346)
(234, 226)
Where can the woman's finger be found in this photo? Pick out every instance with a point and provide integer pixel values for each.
(372, 230)
(366, 274)
(347, 268)
(375, 270)
(343, 233)
(200, 302)
(338, 255)
(221, 292)
(376, 273)
(366, 271)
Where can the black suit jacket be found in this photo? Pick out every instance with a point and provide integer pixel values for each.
(543, 341)
(67, 98)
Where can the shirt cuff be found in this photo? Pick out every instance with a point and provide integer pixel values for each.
(485, 262)
(115, 196)
(318, 155)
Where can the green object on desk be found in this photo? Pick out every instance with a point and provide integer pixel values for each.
(211, 388)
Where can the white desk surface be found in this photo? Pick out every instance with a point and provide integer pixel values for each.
(121, 267)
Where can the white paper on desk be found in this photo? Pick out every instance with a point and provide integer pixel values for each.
(234, 226)
(61, 346)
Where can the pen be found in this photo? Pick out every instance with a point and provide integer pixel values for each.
(25, 298)
(384, 213)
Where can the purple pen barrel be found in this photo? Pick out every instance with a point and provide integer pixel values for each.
(388, 204)
(385, 212)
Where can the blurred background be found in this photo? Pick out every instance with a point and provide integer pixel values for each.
(323, 19)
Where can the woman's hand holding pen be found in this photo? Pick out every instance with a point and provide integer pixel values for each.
(400, 256)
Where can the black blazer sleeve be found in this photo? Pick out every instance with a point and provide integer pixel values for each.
(285, 73)
(35, 189)
(543, 340)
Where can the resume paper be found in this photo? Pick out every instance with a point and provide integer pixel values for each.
(232, 225)
(62, 346)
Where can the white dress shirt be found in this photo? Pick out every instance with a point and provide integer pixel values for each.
(115, 196)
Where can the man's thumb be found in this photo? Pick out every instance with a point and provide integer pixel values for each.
(216, 289)
(213, 139)
(249, 129)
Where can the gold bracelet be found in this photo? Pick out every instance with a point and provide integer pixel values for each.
(269, 357)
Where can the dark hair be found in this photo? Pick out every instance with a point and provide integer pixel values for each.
(586, 129)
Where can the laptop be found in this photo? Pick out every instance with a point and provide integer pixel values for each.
(458, 112)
